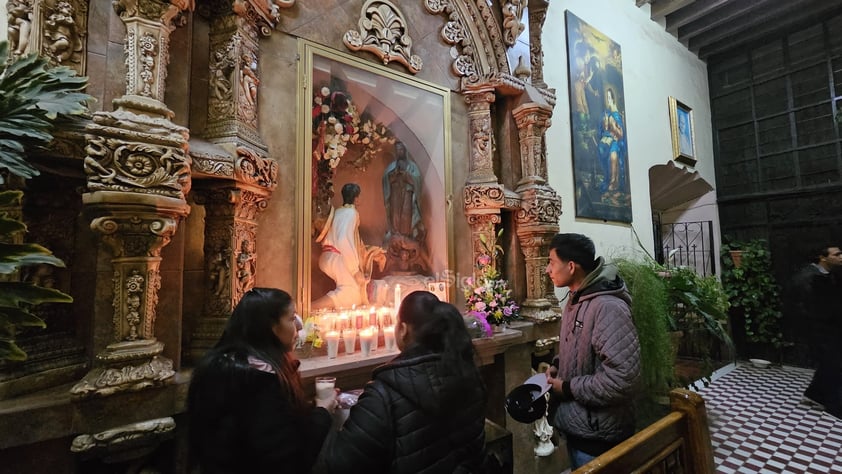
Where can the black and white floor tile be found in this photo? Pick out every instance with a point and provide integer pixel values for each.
(759, 425)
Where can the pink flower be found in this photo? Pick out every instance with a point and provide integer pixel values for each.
(479, 290)
(480, 306)
(484, 260)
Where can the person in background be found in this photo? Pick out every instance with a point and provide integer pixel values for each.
(597, 372)
(424, 411)
(245, 404)
(818, 305)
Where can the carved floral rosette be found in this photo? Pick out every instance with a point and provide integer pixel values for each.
(130, 152)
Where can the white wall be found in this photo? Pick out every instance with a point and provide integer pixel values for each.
(4, 32)
(655, 66)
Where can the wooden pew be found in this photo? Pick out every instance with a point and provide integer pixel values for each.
(677, 443)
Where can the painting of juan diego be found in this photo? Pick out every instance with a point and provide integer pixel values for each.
(598, 123)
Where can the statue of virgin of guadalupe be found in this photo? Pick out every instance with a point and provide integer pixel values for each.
(401, 195)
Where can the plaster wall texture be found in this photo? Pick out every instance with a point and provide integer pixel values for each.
(655, 67)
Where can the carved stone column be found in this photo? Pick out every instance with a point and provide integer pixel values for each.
(537, 16)
(231, 209)
(138, 173)
(483, 195)
(537, 218)
(479, 99)
(234, 76)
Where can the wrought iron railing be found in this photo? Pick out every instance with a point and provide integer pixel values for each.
(688, 244)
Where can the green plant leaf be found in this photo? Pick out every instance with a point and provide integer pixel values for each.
(10, 351)
(20, 317)
(12, 294)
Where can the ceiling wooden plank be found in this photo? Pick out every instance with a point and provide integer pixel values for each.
(734, 13)
(662, 8)
(640, 3)
(693, 12)
(805, 12)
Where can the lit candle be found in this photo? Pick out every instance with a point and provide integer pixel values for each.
(332, 344)
(397, 296)
(344, 322)
(350, 337)
(389, 337)
(366, 340)
(372, 316)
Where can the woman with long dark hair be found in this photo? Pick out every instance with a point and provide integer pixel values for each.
(423, 412)
(246, 406)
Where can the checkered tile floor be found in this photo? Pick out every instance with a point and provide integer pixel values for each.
(759, 426)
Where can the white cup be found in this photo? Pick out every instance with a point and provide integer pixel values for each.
(325, 388)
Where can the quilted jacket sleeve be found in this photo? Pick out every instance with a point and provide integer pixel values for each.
(617, 349)
(365, 441)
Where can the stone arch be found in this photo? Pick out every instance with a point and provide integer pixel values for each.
(481, 52)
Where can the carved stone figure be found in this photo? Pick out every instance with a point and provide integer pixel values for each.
(220, 270)
(249, 80)
(246, 266)
(20, 25)
(60, 32)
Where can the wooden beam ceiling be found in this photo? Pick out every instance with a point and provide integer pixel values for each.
(711, 27)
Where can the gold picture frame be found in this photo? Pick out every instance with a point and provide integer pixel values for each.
(379, 106)
(682, 130)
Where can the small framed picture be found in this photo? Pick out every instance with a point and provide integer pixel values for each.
(438, 288)
(682, 130)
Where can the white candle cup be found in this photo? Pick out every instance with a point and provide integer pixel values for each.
(325, 388)
(398, 297)
(375, 337)
(332, 338)
(366, 340)
(350, 338)
(389, 338)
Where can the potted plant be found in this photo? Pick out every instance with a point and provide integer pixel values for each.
(754, 297)
(34, 97)
(699, 309)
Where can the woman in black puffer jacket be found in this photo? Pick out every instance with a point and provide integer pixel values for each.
(246, 407)
(424, 412)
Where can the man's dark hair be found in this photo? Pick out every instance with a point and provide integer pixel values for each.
(350, 192)
(575, 248)
(817, 253)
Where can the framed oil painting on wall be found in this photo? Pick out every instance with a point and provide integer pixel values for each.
(375, 154)
(598, 123)
(682, 131)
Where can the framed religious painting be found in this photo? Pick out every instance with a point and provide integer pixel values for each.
(598, 123)
(375, 219)
(681, 129)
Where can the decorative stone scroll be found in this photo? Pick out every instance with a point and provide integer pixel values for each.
(475, 56)
(144, 433)
(512, 27)
(383, 32)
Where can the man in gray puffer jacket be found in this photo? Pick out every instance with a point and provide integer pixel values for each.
(597, 372)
